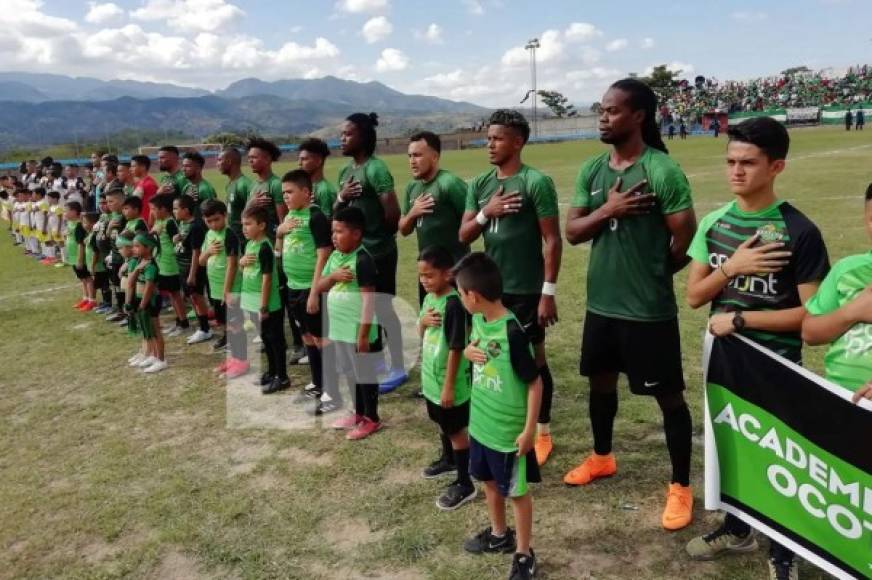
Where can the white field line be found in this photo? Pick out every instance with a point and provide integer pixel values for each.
(34, 292)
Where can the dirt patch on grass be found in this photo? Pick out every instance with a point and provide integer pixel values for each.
(403, 476)
(319, 570)
(177, 566)
(347, 534)
(297, 456)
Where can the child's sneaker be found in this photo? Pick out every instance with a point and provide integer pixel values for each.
(222, 368)
(438, 468)
(157, 367)
(523, 567)
(88, 306)
(175, 331)
(364, 429)
(147, 362)
(485, 542)
(275, 385)
(594, 467)
(136, 359)
(199, 337)
(348, 422)
(236, 368)
(79, 304)
(455, 496)
(220, 344)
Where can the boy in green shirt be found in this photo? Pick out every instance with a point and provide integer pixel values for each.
(220, 256)
(165, 228)
(95, 260)
(260, 297)
(142, 283)
(75, 251)
(304, 242)
(349, 279)
(840, 313)
(443, 326)
(506, 395)
(192, 276)
(312, 156)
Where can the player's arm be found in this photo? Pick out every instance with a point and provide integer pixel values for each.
(552, 251)
(583, 225)
(410, 217)
(195, 265)
(826, 328)
(524, 366)
(787, 320)
(230, 275)
(366, 280)
(682, 227)
(147, 293)
(266, 259)
(456, 337)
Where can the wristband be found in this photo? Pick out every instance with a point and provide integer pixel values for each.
(277, 253)
(549, 288)
(480, 218)
(339, 198)
(724, 272)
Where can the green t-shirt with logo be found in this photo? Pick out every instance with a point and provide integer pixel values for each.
(177, 180)
(514, 241)
(149, 273)
(216, 266)
(200, 191)
(498, 413)
(252, 277)
(166, 229)
(629, 275)
(91, 249)
(376, 180)
(300, 245)
(848, 361)
(721, 232)
(442, 227)
(75, 236)
(272, 187)
(438, 342)
(236, 194)
(137, 226)
(325, 194)
(344, 301)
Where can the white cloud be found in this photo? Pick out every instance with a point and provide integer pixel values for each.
(550, 50)
(647, 43)
(391, 60)
(684, 69)
(474, 7)
(433, 34)
(617, 44)
(590, 55)
(358, 6)
(189, 15)
(26, 18)
(582, 32)
(749, 16)
(99, 13)
(376, 29)
(446, 80)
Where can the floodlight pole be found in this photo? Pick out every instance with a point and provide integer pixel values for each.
(532, 45)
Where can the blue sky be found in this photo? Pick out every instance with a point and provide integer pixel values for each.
(460, 49)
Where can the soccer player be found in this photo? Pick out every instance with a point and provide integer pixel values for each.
(506, 394)
(367, 184)
(75, 245)
(304, 239)
(95, 262)
(238, 186)
(312, 156)
(756, 260)
(634, 203)
(197, 188)
(514, 208)
(143, 281)
(174, 181)
(266, 188)
(260, 298)
(192, 276)
(348, 280)
(164, 230)
(145, 186)
(126, 177)
(841, 314)
(434, 201)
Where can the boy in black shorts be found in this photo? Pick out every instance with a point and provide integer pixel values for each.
(506, 395)
(443, 326)
(75, 250)
(165, 228)
(192, 276)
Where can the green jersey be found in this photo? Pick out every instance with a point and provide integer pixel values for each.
(514, 241)
(272, 187)
(442, 227)
(166, 229)
(137, 226)
(252, 277)
(92, 250)
(73, 240)
(344, 302)
(176, 180)
(237, 192)
(629, 275)
(325, 193)
(216, 266)
(721, 232)
(376, 180)
(310, 232)
(498, 413)
(148, 274)
(848, 361)
(200, 191)
(453, 334)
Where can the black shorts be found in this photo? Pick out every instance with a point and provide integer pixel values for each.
(81, 273)
(525, 307)
(510, 472)
(649, 353)
(386, 273)
(308, 323)
(101, 279)
(199, 286)
(168, 283)
(451, 421)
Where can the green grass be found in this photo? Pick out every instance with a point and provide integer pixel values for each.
(105, 473)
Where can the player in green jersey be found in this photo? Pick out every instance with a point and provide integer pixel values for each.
(238, 187)
(513, 207)
(75, 249)
(173, 182)
(165, 228)
(634, 203)
(756, 261)
(143, 281)
(266, 187)
(841, 314)
(197, 188)
(312, 155)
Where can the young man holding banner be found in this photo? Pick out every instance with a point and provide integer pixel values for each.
(756, 260)
(841, 313)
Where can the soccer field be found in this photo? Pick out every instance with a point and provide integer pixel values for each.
(108, 473)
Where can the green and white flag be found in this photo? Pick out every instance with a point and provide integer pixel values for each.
(787, 452)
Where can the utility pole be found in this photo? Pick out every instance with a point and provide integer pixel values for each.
(532, 45)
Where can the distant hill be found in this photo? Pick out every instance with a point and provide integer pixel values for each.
(49, 87)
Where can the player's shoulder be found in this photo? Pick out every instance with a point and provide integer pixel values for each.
(658, 164)
(796, 221)
(482, 178)
(448, 178)
(710, 218)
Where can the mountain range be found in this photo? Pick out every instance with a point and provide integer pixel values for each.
(42, 109)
